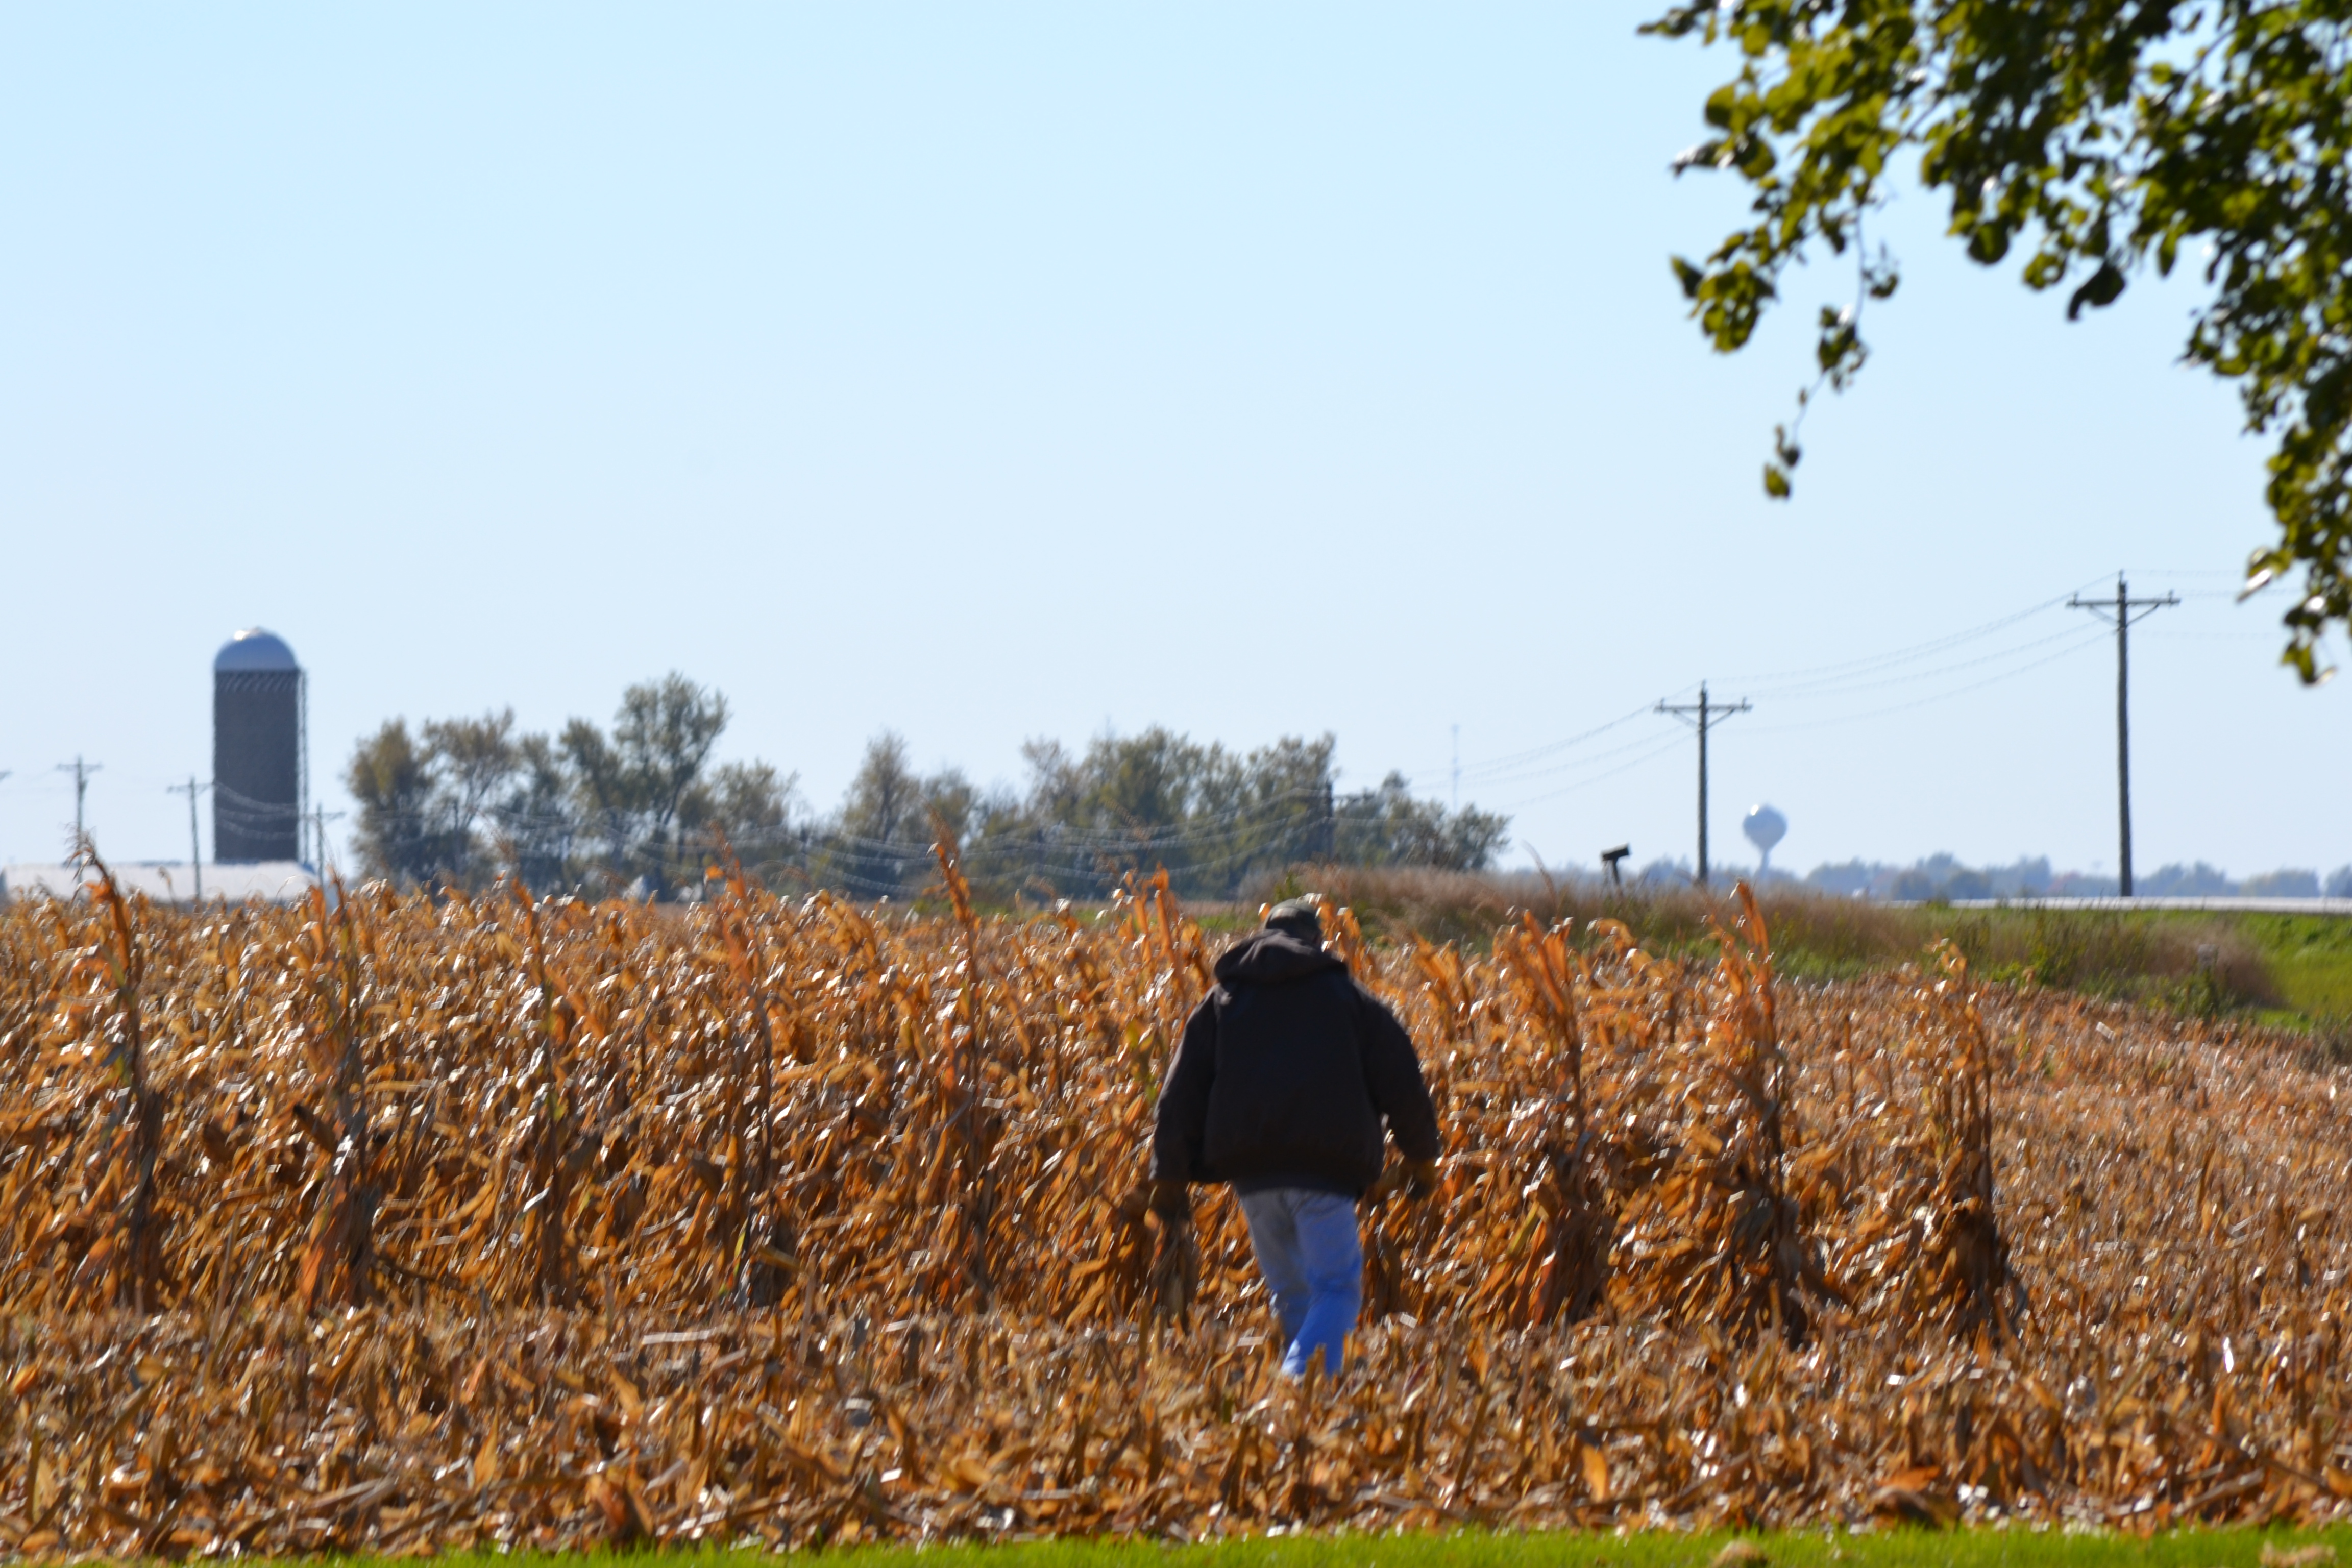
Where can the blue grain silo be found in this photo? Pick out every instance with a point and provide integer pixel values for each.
(258, 719)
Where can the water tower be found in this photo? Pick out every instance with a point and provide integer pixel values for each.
(1764, 827)
(258, 724)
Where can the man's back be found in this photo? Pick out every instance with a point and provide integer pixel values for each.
(1286, 1076)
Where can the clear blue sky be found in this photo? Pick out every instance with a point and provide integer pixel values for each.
(995, 372)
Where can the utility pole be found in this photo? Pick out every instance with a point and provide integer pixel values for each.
(1701, 714)
(81, 772)
(2123, 612)
(196, 856)
(320, 818)
(1457, 767)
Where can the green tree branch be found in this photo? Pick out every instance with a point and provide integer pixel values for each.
(2102, 136)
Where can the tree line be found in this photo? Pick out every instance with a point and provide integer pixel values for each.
(644, 808)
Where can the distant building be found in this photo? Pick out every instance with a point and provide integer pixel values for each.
(166, 881)
(2178, 881)
(260, 794)
(2285, 884)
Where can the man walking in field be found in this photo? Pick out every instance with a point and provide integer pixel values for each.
(1288, 1074)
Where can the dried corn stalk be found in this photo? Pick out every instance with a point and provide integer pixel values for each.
(1572, 1267)
(1965, 1280)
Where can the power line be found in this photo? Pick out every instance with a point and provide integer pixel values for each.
(2082, 641)
(252, 806)
(1639, 743)
(1515, 761)
(1293, 806)
(1871, 681)
(1810, 682)
(1653, 753)
(1816, 683)
(1897, 655)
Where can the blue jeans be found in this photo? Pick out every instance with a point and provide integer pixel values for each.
(1312, 1257)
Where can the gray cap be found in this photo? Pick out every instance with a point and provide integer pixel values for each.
(1300, 917)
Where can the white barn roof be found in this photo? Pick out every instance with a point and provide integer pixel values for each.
(166, 881)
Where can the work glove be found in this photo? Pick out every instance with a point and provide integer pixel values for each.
(1421, 1180)
(1171, 1202)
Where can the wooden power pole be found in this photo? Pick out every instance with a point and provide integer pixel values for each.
(195, 855)
(2123, 610)
(1700, 715)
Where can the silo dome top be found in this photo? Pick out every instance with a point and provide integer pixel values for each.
(255, 650)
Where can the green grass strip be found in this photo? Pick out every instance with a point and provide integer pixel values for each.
(2017, 1546)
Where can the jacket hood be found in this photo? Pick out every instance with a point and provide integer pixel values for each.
(1270, 956)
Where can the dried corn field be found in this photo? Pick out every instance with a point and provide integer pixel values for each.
(416, 1224)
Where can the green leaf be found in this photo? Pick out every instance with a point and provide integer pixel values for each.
(2102, 289)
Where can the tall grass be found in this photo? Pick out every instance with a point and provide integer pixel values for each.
(2201, 964)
